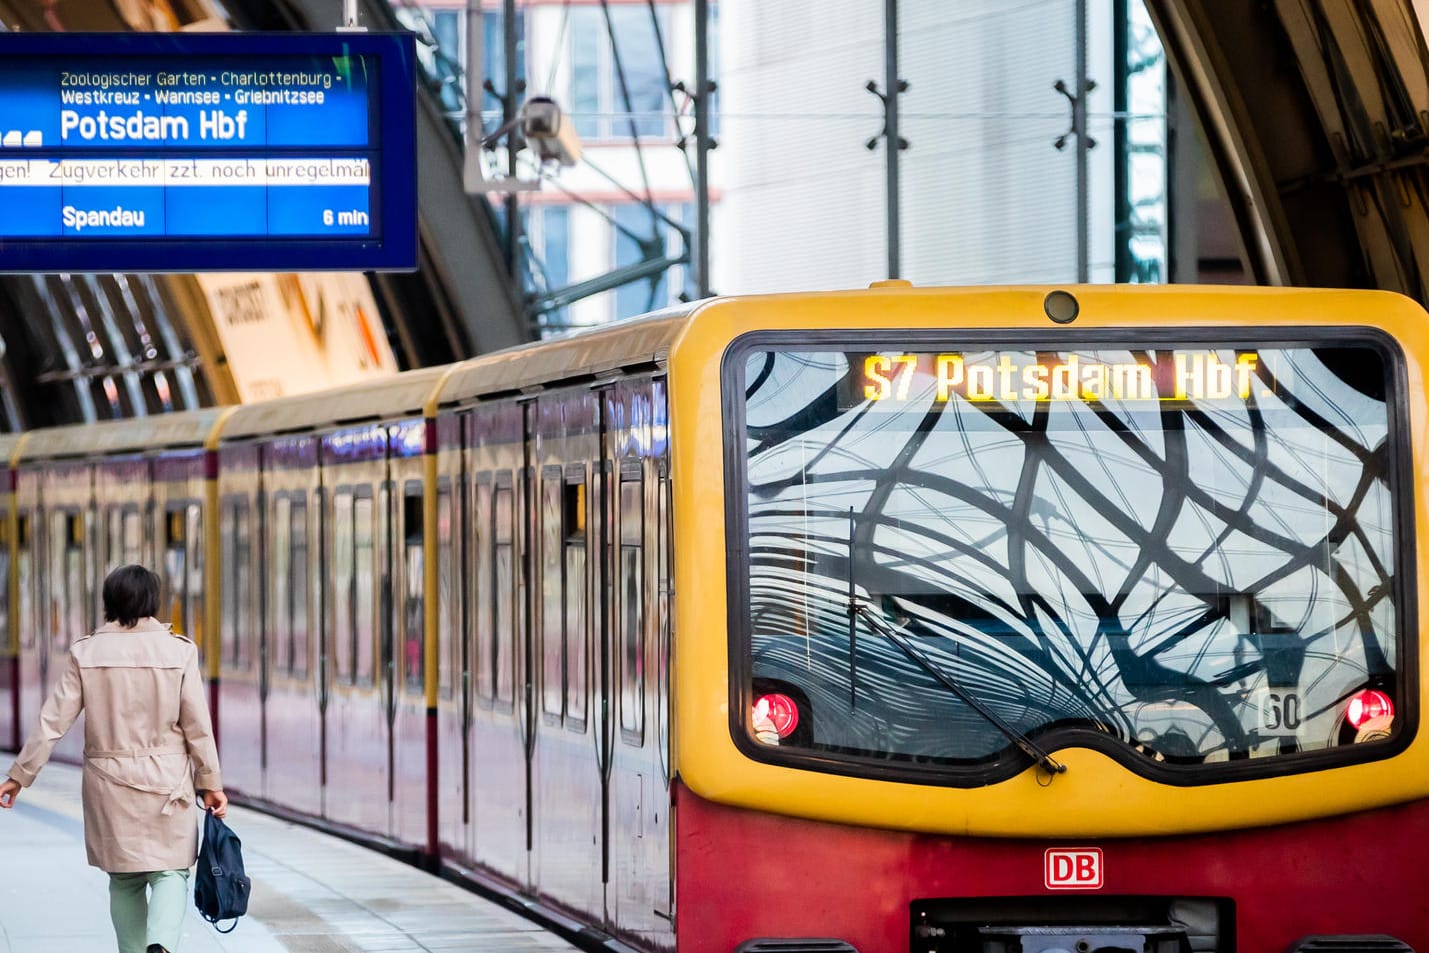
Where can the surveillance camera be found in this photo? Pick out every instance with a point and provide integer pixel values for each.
(549, 132)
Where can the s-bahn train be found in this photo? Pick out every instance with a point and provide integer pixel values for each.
(941, 620)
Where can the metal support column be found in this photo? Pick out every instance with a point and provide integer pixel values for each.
(703, 143)
(1120, 140)
(1079, 129)
(892, 141)
(1077, 99)
(510, 106)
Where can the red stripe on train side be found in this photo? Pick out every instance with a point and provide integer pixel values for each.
(743, 874)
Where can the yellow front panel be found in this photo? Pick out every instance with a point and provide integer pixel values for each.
(1096, 796)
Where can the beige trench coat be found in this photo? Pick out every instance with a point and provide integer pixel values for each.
(146, 719)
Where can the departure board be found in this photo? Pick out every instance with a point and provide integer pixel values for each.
(207, 152)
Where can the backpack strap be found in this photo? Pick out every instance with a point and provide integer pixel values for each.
(214, 921)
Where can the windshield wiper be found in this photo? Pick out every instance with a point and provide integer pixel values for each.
(1028, 747)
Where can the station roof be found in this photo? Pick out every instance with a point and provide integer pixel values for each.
(1315, 116)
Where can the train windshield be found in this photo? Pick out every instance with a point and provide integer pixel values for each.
(1182, 556)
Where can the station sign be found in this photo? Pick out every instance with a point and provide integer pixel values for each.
(173, 152)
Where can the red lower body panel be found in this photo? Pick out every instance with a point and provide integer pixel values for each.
(742, 874)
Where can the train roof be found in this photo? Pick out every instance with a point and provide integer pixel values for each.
(8, 443)
(399, 395)
(581, 355)
(183, 429)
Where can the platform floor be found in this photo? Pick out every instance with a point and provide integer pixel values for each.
(311, 893)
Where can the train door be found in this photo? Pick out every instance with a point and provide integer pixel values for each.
(453, 694)
(498, 768)
(9, 645)
(292, 728)
(524, 629)
(29, 558)
(125, 485)
(357, 746)
(405, 646)
(37, 651)
(240, 701)
(566, 776)
(67, 573)
(638, 891)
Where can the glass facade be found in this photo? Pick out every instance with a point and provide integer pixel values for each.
(614, 57)
(1142, 143)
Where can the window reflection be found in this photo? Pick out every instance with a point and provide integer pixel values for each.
(1200, 567)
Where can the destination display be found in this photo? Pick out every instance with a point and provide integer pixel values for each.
(1196, 375)
(207, 152)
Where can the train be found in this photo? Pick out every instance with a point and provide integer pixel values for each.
(948, 620)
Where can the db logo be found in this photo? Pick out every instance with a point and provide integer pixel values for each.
(1073, 868)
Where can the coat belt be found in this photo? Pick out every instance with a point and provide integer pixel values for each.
(180, 795)
(136, 752)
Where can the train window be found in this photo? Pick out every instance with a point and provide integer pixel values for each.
(577, 676)
(449, 661)
(483, 596)
(133, 537)
(632, 607)
(1192, 548)
(68, 593)
(176, 569)
(4, 579)
(193, 588)
(280, 630)
(552, 623)
(25, 569)
(414, 654)
(504, 657)
(364, 567)
(228, 597)
(78, 557)
(57, 607)
(344, 633)
(236, 633)
(298, 593)
(113, 539)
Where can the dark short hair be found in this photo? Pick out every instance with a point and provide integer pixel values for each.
(130, 594)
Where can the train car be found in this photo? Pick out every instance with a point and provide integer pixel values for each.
(956, 621)
(556, 714)
(320, 501)
(10, 729)
(87, 499)
(1015, 619)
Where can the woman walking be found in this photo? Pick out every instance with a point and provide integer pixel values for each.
(148, 744)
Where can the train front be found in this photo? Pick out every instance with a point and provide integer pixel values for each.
(1039, 622)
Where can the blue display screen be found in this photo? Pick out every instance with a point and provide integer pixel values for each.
(207, 152)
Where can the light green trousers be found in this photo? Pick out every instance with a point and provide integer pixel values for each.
(157, 918)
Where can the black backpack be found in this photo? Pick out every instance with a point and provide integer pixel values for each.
(220, 888)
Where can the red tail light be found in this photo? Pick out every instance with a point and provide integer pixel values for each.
(1370, 703)
(781, 710)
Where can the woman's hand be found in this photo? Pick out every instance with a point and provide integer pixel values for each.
(8, 792)
(216, 800)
